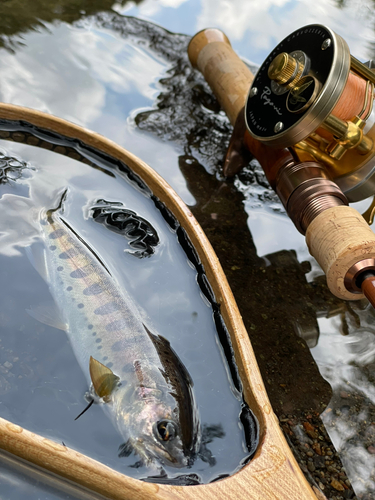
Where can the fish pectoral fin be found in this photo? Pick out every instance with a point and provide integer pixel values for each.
(48, 314)
(37, 257)
(125, 449)
(103, 379)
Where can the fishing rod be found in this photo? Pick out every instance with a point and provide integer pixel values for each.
(307, 117)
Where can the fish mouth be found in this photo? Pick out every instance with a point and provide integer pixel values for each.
(151, 448)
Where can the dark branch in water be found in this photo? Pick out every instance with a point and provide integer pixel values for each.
(87, 407)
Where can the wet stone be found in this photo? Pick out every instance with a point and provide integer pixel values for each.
(319, 462)
(337, 485)
(311, 466)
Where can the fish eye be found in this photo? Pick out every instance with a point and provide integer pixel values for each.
(166, 430)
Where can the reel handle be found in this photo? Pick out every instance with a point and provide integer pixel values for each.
(229, 78)
(337, 235)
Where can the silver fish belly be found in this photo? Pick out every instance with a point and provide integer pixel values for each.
(152, 404)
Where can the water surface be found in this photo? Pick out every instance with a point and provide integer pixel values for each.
(105, 71)
(42, 385)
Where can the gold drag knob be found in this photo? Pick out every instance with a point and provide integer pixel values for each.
(285, 69)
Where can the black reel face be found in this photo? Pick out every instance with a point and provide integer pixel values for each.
(297, 86)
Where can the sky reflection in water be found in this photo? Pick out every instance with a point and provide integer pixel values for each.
(95, 78)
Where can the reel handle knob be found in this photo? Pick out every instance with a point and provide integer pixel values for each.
(229, 78)
(285, 70)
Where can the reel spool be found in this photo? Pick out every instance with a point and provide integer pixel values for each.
(311, 95)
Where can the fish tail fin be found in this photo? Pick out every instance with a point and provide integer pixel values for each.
(49, 213)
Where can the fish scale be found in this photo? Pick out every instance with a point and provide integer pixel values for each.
(150, 391)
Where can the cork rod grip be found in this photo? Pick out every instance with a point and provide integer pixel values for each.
(229, 78)
(338, 238)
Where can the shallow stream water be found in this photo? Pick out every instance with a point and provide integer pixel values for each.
(130, 81)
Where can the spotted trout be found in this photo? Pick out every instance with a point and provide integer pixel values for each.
(136, 374)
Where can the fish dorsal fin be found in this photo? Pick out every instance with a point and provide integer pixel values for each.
(168, 357)
(103, 379)
(180, 382)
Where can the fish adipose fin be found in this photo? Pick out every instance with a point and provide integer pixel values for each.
(103, 379)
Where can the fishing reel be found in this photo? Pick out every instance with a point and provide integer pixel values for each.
(312, 95)
(307, 117)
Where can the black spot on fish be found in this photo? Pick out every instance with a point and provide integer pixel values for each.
(99, 346)
(119, 345)
(90, 327)
(94, 289)
(81, 272)
(107, 308)
(105, 358)
(94, 333)
(109, 365)
(115, 325)
(80, 306)
(71, 252)
(60, 268)
(69, 289)
(128, 368)
(57, 234)
(43, 223)
(52, 247)
(98, 341)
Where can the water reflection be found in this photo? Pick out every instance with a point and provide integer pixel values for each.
(350, 416)
(123, 78)
(16, 20)
(255, 27)
(47, 376)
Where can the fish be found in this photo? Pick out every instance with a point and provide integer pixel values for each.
(133, 372)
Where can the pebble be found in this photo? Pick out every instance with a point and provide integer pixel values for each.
(317, 457)
(311, 466)
(337, 485)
